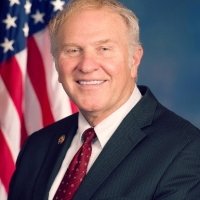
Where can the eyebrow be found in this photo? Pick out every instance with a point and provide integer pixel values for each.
(69, 44)
(104, 41)
(99, 42)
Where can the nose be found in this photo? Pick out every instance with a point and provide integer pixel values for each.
(88, 63)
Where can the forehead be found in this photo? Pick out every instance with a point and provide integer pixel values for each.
(93, 16)
(103, 10)
(91, 21)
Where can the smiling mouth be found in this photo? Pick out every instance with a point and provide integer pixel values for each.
(91, 82)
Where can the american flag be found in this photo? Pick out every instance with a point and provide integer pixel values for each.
(30, 95)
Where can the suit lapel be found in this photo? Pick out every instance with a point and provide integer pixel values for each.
(124, 140)
(57, 149)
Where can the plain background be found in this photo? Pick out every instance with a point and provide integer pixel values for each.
(170, 35)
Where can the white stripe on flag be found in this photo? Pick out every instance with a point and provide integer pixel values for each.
(3, 193)
(32, 111)
(10, 124)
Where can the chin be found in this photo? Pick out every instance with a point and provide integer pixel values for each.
(89, 108)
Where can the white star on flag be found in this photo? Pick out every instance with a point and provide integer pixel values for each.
(10, 21)
(38, 17)
(12, 2)
(58, 5)
(26, 29)
(27, 7)
(7, 45)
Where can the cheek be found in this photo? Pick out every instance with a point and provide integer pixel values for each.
(63, 72)
(115, 65)
(122, 69)
(64, 67)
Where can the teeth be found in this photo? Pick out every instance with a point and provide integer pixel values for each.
(93, 82)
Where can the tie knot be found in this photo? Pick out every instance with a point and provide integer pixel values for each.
(89, 135)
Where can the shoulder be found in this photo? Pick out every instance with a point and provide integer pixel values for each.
(163, 121)
(59, 126)
(43, 137)
(37, 145)
(172, 123)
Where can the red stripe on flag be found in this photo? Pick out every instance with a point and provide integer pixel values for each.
(12, 77)
(7, 165)
(73, 107)
(38, 79)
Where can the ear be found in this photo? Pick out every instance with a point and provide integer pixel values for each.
(135, 61)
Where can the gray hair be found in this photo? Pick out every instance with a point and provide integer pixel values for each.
(74, 5)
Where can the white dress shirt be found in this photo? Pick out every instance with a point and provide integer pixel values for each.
(103, 130)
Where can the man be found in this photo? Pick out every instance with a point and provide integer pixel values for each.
(142, 151)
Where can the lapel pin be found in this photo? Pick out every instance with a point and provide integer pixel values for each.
(61, 139)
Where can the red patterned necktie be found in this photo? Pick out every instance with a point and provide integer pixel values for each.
(77, 168)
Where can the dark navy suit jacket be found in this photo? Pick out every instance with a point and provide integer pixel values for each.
(153, 155)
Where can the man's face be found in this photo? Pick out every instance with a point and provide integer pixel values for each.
(93, 62)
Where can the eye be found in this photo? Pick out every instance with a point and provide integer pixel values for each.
(105, 48)
(72, 51)
(105, 51)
